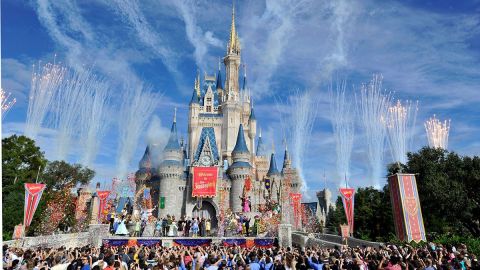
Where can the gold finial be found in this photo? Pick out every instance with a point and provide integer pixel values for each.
(175, 115)
(260, 133)
(273, 147)
(234, 44)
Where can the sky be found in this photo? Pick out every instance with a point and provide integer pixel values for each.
(426, 50)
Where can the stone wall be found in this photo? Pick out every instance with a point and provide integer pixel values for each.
(93, 237)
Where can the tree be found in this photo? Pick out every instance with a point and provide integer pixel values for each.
(21, 162)
(448, 187)
(59, 174)
(373, 214)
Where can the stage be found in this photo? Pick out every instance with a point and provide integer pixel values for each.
(262, 242)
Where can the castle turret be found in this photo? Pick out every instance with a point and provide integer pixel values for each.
(144, 168)
(171, 175)
(275, 179)
(239, 170)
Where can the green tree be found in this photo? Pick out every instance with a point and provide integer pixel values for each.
(21, 161)
(60, 174)
(448, 189)
(373, 214)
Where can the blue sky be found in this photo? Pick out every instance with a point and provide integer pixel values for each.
(428, 51)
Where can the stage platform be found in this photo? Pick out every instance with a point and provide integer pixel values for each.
(262, 242)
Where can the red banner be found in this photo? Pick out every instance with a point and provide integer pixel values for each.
(33, 193)
(406, 208)
(204, 182)
(296, 199)
(102, 196)
(345, 230)
(348, 198)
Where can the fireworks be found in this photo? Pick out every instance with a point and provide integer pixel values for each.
(400, 123)
(70, 99)
(7, 103)
(298, 125)
(45, 83)
(137, 107)
(437, 132)
(94, 118)
(373, 107)
(343, 129)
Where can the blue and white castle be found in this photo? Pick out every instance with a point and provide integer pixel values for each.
(222, 132)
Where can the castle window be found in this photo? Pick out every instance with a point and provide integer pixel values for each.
(209, 99)
(209, 108)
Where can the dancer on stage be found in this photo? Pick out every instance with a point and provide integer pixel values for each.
(122, 228)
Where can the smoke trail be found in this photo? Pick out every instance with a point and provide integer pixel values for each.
(343, 129)
(94, 119)
(437, 132)
(137, 106)
(43, 88)
(373, 106)
(157, 138)
(400, 123)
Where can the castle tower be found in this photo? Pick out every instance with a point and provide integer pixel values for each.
(231, 105)
(239, 170)
(325, 200)
(232, 62)
(275, 179)
(171, 176)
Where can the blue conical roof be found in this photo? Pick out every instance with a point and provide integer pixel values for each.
(219, 80)
(173, 139)
(241, 145)
(252, 115)
(273, 166)
(145, 162)
(261, 149)
(194, 97)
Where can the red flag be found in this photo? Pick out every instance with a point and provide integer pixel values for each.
(33, 193)
(348, 196)
(102, 195)
(248, 184)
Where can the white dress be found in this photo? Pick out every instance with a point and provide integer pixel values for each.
(122, 229)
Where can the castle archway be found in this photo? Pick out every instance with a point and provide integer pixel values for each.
(208, 211)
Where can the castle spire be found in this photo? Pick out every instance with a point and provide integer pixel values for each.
(244, 87)
(219, 77)
(272, 170)
(241, 145)
(233, 43)
(172, 143)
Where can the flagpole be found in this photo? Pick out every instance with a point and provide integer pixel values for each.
(38, 172)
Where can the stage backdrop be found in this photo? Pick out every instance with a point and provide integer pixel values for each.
(407, 213)
(204, 182)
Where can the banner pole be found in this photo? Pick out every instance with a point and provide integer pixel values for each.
(38, 172)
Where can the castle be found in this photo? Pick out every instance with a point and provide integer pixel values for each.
(222, 133)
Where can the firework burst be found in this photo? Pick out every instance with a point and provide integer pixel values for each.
(437, 132)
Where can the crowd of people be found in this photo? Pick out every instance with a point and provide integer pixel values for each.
(389, 257)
